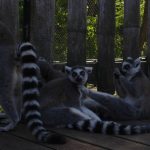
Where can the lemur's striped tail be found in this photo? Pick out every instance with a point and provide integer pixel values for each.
(109, 127)
(31, 94)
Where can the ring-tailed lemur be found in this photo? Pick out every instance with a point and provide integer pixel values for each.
(63, 98)
(31, 93)
(8, 95)
(11, 80)
(47, 72)
(132, 86)
(130, 68)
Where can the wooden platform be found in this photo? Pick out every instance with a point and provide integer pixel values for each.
(21, 139)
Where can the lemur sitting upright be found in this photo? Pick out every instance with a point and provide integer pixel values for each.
(132, 86)
(63, 99)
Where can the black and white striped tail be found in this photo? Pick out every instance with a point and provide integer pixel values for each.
(109, 127)
(31, 94)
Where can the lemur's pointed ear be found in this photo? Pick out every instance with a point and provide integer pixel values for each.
(67, 69)
(137, 62)
(89, 69)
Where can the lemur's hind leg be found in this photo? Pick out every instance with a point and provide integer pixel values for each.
(90, 113)
(62, 116)
(119, 109)
(97, 108)
(3, 115)
(7, 64)
(6, 123)
(4, 119)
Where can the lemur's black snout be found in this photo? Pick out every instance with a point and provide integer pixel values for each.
(79, 79)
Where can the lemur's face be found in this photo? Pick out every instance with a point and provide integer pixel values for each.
(130, 67)
(77, 74)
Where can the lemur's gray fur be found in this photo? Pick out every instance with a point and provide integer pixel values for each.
(9, 97)
(47, 71)
(17, 81)
(63, 99)
(133, 88)
(59, 108)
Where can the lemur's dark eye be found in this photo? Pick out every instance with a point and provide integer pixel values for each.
(82, 73)
(127, 67)
(74, 74)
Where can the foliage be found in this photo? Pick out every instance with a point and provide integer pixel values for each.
(91, 42)
(119, 24)
(60, 45)
(60, 42)
(119, 28)
(142, 9)
(60, 48)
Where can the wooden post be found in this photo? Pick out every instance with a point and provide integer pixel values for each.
(148, 51)
(9, 15)
(76, 32)
(26, 20)
(8, 41)
(131, 28)
(106, 34)
(144, 26)
(42, 26)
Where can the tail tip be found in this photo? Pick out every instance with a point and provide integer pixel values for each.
(56, 139)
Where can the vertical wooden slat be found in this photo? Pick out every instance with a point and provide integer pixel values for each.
(148, 51)
(42, 26)
(143, 28)
(131, 28)
(9, 16)
(26, 20)
(8, 41)
(106, 33)
(76, 32)
(149, 26)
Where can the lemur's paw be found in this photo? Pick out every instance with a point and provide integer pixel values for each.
(4, 119)
(3, 115)
(7, 125)
(84, 90)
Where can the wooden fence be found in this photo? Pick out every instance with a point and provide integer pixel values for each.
(42, 20)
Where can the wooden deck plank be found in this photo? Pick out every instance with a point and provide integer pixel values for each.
(72, 144)
(144, 138)
(106, 141)
(77, 140)
(9, 142)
